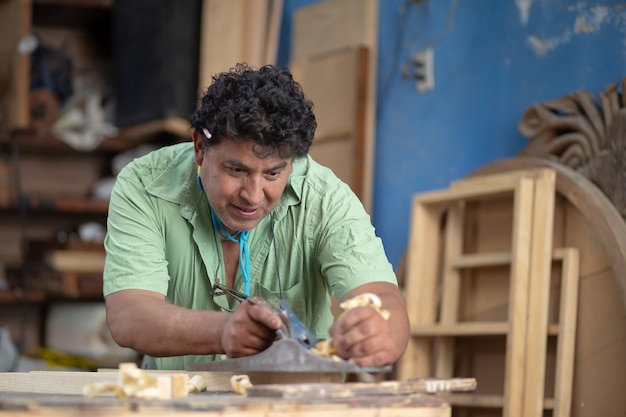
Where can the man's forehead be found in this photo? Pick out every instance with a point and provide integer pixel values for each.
(247, 152)
(267, 163)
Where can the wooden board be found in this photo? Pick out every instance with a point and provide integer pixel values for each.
(221, 38)
(322, 33)
(60, 393)
(359, 389)
(336, 83)
(72, 383)
(64, 175)
(236, 31)
(15, 24)
(332, 25)
(214, 405)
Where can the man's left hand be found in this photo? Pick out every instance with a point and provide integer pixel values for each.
(366, 338)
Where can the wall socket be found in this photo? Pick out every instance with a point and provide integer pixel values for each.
(424, 70)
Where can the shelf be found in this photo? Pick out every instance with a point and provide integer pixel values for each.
(484, 400)
(8, 297)
(89, 16)
(163, 130)
(171, 127)
(61, 205)
(81, 3)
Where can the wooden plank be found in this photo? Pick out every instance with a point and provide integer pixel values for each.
(454, 194)
(357, 389)
(461, 329)
(482, 400)
(221, 38)
(497, 182)
(518, 298)
(255, 15)
(474, 400)
(539, 292)
(333, 25)
(339, 139)
(444, 366)
(322, 78)
(72, 383)
(233, 31)
(480, 260)
(273, 32)
(421, 286)
(566, 342)
(15, 24)
(234, 406)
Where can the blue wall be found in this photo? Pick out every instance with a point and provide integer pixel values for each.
(493, 58)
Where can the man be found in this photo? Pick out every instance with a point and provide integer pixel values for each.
(243, 207)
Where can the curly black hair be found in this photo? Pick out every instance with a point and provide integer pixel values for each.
(266, 105)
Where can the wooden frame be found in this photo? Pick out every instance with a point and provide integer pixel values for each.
(530, 259)
(587, 220)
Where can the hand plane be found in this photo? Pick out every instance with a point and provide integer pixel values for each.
(290, 353)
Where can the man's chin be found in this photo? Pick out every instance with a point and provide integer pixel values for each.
(244, 225)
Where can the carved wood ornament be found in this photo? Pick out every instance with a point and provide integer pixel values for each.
(584, 135)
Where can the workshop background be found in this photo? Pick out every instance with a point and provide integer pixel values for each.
(411, 96)
(492, 60)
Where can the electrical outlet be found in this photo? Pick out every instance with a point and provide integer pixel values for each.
(424, 64)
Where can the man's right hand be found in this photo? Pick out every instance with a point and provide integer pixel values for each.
(249, 330)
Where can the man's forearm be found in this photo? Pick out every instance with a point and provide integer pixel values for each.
(154, 327)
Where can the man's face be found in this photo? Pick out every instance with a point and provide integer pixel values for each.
(241, 187)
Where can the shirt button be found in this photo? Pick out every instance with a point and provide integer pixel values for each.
(223, 357)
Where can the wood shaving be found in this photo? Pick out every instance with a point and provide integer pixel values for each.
(196, 384)
(240, 383)
(136, 383)
(365, 300)
(326, 348)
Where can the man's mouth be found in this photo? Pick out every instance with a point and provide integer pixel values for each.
(246, 211)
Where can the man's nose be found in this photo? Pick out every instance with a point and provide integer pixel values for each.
(252, 191)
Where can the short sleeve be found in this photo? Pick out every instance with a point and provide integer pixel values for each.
(134, 242)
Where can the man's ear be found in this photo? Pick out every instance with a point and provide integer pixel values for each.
(198, 147)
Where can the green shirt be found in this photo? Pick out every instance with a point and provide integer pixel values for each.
(160, 238)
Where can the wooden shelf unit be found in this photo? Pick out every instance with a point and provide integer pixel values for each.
(46, 184)
(437, 262)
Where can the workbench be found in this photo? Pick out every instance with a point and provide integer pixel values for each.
(58, 394)
(208, 404)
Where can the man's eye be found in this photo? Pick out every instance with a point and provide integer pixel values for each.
(273, 174)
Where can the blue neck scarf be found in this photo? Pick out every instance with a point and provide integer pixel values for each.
(240, 236)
